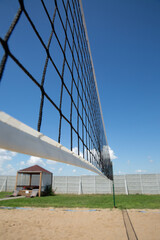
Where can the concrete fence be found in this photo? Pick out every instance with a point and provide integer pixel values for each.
(124, 184)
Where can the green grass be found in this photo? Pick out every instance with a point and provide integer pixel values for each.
(86, 201)
(4, 194)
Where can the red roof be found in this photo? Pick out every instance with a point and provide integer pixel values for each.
(35, 168)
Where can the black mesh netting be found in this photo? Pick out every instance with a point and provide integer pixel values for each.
(66, 53)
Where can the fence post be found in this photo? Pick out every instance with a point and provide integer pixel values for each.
(80, 186)
(66, 184)
(3, 185)
(125, 183)
(94, 184)
(141, 184)
(158, 184)
(6, 184)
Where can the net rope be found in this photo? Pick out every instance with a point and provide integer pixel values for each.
(89, 130)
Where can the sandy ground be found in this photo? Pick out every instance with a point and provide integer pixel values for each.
(76, 224)
(146, 223)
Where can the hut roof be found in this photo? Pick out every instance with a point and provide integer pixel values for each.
(35, 168)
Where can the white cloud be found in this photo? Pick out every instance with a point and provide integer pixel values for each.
(1, 170)
(51, 162)
(52, 168)
(60, 169)
(9, 170)
(2, 150)
(22, 163)
(13, 154)
(74, 170)
(94, 152)
(140, 171)
(107, 149)
(6, 156)
(150, 159)
(104, 152)
(75, 150)
(112, 154)
(120, 172)
(35, 160)
(9, 166)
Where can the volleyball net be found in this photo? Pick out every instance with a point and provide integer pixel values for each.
(46, 53)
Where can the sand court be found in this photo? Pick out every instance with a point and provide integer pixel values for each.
(69, 224)
(146, 223)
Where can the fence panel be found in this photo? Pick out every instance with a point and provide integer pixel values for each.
(124, 184)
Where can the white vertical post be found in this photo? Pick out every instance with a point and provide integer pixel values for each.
(67, 185)
(141, 184)
(125, 183)
(158, 184)
(53, 181)
(6, 184)
(3, 185)
(80, 186)
(94, 184)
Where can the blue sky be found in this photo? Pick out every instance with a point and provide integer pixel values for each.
(125, 44)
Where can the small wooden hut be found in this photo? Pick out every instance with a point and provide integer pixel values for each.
(33, 179)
